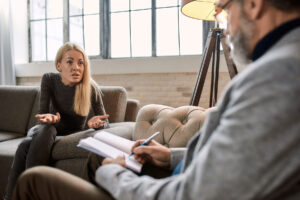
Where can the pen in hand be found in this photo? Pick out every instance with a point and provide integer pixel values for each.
(146, 142)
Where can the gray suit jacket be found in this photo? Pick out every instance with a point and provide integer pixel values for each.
(249, 148)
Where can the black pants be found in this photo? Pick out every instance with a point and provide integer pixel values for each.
(34, 150)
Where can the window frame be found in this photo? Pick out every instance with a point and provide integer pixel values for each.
(105, 29)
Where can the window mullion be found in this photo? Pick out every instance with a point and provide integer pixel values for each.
(178, 22)
(82, 18)
(130, 40)
(105, 42)
(29, 32)
(46, 33)
(153, 26)
(66, 21)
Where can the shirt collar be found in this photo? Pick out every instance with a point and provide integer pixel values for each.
(271, 38)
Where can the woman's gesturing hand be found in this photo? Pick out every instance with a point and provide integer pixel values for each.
(154, 153)
(97, 121)
(48, 118)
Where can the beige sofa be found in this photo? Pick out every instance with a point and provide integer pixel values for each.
(19, 104)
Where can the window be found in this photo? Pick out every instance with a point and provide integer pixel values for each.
(84, 25)
(130, 28)
(113, 29)
(46, 28)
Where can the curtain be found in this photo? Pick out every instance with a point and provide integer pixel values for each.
(7, 67)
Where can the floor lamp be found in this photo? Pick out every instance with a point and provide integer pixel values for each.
(205, 10)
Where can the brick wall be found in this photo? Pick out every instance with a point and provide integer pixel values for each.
(172, 89)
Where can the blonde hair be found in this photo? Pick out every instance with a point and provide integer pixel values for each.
(83, 91)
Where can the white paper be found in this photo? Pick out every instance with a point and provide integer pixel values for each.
(115, 141)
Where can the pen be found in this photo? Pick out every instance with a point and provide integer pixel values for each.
(147, 141)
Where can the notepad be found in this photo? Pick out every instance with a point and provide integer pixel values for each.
(109, 145)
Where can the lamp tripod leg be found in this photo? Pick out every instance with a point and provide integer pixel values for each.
(215, 38)
(208, 50)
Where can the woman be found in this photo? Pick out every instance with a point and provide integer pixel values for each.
(65, 103)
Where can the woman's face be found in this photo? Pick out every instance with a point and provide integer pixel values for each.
(71, 67)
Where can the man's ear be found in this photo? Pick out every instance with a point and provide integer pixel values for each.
(254, 8)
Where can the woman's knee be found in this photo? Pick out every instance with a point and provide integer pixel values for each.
(47, 129)
(42, 129)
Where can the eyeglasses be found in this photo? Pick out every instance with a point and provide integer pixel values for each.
(221, 14)
(223, 7)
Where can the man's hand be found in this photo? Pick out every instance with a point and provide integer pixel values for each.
(48, 118)
(97, 121)
(154, 153)
(119, 160)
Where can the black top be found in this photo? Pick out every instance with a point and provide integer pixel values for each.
(57, 97)
(271, 38)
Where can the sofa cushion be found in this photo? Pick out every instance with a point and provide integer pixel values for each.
(4, 135)
(16, 105)
(176, 125)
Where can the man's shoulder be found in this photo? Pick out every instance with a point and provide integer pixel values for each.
(275, 71)
(281, 60)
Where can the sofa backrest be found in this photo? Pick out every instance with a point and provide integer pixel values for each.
(19, 105)
(16, 103)
(115, 102)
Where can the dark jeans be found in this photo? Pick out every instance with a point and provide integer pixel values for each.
(33, 151)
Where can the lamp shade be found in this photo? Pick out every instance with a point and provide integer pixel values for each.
(199, 9)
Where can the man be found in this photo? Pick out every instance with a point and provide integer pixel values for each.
(249, 146)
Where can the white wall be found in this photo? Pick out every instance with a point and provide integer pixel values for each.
(170, 64)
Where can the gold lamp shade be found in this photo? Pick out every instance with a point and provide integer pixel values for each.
(199, 9)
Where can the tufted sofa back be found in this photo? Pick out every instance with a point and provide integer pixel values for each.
(176, 125)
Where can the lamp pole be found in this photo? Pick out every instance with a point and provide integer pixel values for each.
(212, 52)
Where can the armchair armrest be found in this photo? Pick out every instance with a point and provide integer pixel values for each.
(132, 109)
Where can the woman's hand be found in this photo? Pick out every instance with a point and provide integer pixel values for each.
(48, 118)
(154, 153)
(120, 160)
(97, 121)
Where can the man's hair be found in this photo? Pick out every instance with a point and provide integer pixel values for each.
(285, 5)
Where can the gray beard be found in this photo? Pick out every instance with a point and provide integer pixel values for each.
(240, 43)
